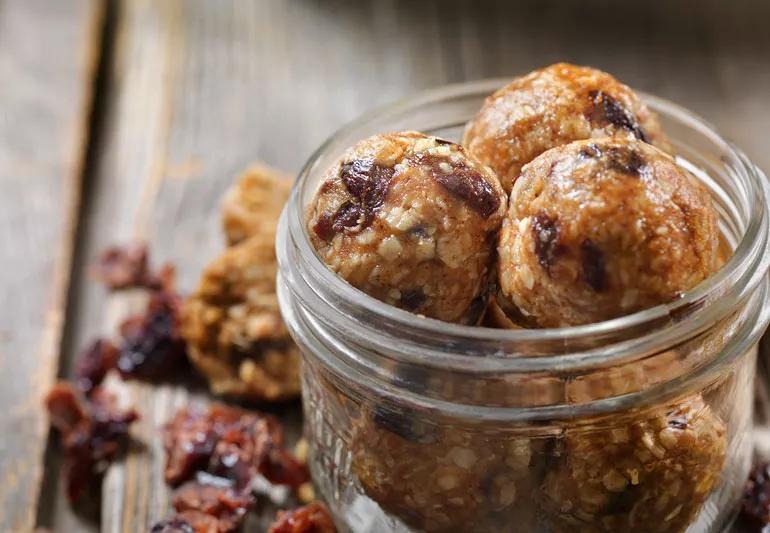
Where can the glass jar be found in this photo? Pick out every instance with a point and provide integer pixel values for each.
(639, 423)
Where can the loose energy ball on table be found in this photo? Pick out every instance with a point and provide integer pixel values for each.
(234, 330)
(444, 479)
(554, 106)
(601, 228)
(411, 220)
(254, 202)
(650, 474)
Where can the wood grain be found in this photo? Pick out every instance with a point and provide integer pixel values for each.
(42, 147)
(199, 89)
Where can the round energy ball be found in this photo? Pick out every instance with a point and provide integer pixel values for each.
(649, 474)
(554, 106)
(601, 228)
(439, 479)
(411, 220)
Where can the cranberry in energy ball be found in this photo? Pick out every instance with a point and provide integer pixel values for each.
(411, 220)
(554, 106)
(602, 228)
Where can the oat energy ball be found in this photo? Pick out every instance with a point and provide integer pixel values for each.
(444, 479)
(254, 202)
(233, 327)
(649, 475)
(601, 228)
(554, 106)
(410, 220)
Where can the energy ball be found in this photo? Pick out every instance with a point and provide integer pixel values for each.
(444, 479)
(411, 220)
(254, 203)
(233, 327)
(601, 228)
(554, 106)
(650, 474)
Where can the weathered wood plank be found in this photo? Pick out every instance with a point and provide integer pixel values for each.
(43, 135)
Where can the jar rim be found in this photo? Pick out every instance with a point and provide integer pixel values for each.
(732, 284)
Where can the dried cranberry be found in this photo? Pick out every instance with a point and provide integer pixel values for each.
(152, 345)
(188, 522)
(412, 299)
(756, 496)
(94, 363)
(172, 525)
(465, 183)
(224, 503)
(594, 270)
(312, 518)
(123, 267)
(546, 232)
(231, 443)
(92, 432)
(367, 181)
(606, 108)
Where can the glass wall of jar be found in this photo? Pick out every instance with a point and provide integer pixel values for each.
(640, 423)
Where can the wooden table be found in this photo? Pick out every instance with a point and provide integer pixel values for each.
(127, 120)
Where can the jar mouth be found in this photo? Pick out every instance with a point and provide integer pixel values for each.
(432, 342)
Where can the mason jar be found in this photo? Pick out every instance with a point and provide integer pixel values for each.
(640, 423)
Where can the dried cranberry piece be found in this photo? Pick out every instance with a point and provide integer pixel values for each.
(312, 518)
(189, 522)
(152, 345)
(412, 299)
(626, 160)
(172, 525)
(347, 216)
(65, 408)
(224, 503)
(123, 267)
(465, 183)
(189, 441)
(367, 181)
(234, 444)
(92, 432)
(756, 496)
(606, 108)
(594, 270)
(546, 232)
(94, 363)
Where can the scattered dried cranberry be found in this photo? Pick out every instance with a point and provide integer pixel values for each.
(756, 496)
(230, 443)
(312, 518)
(227, 505)
(92, 432)
(123, 267)
(152, 345)
(94, 363)
(188, 522)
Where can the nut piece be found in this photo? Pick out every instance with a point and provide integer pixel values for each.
(554, 106)
(648, 474)
(409, 219)
(253, 204)
(235, 334)
(602, 228)
(444, 479)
